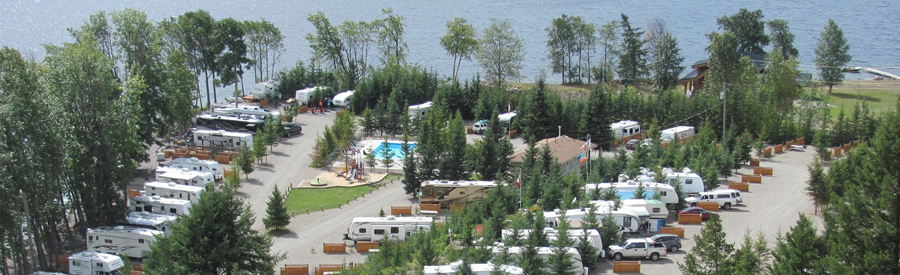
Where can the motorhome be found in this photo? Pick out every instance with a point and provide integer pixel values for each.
(93, 263)
(160, 205)
(221, 138)
(545, 253)
(628, 222)
(184, 176)
(656, 209)
(304, 96)
(245, 110)
(677, 133)
(151, 220)
(196, 164)
(593, 236)
(447, 192)
(121, 240)
(342, 99)
(366, 229)
(625, 128)
(626, 189)
(419, 111)
(173, 190)
(477, 269)
(234, 123)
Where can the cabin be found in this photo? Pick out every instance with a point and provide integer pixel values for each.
(222, 139)
(173, 190)
(342, 99)
(196, 164)
(627, 189)
(692, 82)
(121, 240)
(625, 128)
(680, 133)
(477, 269)
(152, 221)
(367, 229)
(184, 176)
(567, 150)
(160, 205)
(419, 111)
(445, 192)
(628, 222)
(545, 253)
(93, 263)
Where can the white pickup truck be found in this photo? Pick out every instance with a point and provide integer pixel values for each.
(637, 248)
(725, 199)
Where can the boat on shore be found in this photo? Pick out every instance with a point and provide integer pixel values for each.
(851, 69)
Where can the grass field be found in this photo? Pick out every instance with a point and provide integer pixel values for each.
(879, 97)
(302, 198)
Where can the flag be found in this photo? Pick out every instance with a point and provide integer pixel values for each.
(509, 106)
(587, 145)
(519, 179)
(582, 157)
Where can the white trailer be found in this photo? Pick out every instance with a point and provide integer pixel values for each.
(593, 236)
(655, 208)
(628, 222)
(184, 176)
(545, 253)
(342, 99)
(220, 138)
(245, 110)
(160, 205)
(393, 228)
(419, 111)
(446, 192)
(626, 189)
(677, 132)
(477, 269)
(305, 95)
(121, 240)
(625, 128)
(196, 164)
(93, 263)
(151, 220)
(173, 190)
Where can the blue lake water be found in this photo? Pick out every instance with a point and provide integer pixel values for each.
(395, 147)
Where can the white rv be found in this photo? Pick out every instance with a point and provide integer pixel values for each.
(545, 253)
(196, 164)
(264, 88)
(245, 110)
(160, 205)
(419, 111)
(477, 269)
(506, 118)
(173, 190)
(220, 138)
(625, 128)
(241, 123)
(626, 189)
(628, 222)
(691, 183)
(655, 209)
(575, 235)
(121, 240)
(342, 99)
(184, 176)
(368, 229)
(446, 192)
(305, 95)
(151, 220)
(677, 132)
(93, 263)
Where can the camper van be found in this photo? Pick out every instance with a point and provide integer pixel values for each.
(655, 209)
(367, 229)
(625, 128)
(121, 240)
(184, 176)
(593, 236)
(220, 138)
(447, 192)
(152, 221)
(477, 269)
(160, 205)
(93, 263)
(677, 132)
(196, 164)
(545, 253)
(173, 190)
(419, 111)
(342, 99)
(626, 189)
(304, 96)
(628, 222)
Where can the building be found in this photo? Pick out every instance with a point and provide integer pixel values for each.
(693, 81)
(565, 149)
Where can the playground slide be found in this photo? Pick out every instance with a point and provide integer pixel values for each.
(351, 175)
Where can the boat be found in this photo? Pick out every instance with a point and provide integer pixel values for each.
(851, 69)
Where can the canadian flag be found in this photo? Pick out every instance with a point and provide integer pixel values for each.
(519, 179)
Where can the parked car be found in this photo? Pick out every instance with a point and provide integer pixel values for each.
(697, 210)
(291, 129)
(631, 144)
(671, 241)
(637, 248)
(480, 126)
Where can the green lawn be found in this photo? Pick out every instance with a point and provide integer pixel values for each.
(880, 96)
(302, 198)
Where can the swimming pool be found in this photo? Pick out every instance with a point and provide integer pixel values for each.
(396, 147)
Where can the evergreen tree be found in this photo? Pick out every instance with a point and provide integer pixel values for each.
(454, 139)
(387, 156)
(490, 155)
(430, 147)
(411, 182)
(711, 253)
(818, 187)
(245, 161)
(259, 147)
(597, 117)
(276, 212)
(745, 260)
(609, 232)
(561, 262)
(632, 62)
(640, 193)
(832, 53)
(368, 122)
(798, 251)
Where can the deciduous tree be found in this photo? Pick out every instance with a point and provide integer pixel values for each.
(500, 53)
(461, 41)
(832, 53)
(749, 28)
(782, 38)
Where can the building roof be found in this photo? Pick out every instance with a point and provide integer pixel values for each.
(564, 148)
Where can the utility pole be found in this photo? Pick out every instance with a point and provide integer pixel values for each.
(724, 105)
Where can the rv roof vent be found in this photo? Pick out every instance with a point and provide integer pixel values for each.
(556, 211)
(171, 184)
(686, 170)
(391, 218)
(155, 197)
(119, 227)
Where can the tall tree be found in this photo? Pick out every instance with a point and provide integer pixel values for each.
(832, 53)
(749, 28)
(711, 253)
(561, 38)
(632, 61)
(608, 40)
(597, 117)
(666, 66)
(196, 31)
(798, 251)
(264, 47)
(779, 82)
(233, 52)
(782, 38)
(500, 53)
(489, 156)
(454, 141)
(411, 182)
(461, 41)
(277, 216)
(390, 37)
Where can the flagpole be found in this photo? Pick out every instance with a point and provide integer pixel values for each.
(520, 187)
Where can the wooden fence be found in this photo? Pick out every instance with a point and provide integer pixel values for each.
(295, 269)
(430, 207)
(742, 186)
(366, 246)
(708, 205)
(627, 267)
(754, 162)
(690, 219)
(397, 210)
(334, 247)
(751, 178)
(762, 171)
(322, 268)
(672, 230)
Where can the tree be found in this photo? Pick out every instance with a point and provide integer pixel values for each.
(276, 212)
(561, 262)
(832, 53)
(500, 53)
(454, 140)
(371, 161)
(199, 244)
(596, 119)
(387, 156)
(196, 31)
(798, 251)
(749, 28)
(245, 160)
(632, 62)
(390, 37)
(782, 38)
(411, 182)
(259, 147)
(609, 232)
(461, 41)
(710, 254)
(640, 193)
(745, 260)
(609, 49)
(570, 41)
(666, 66)
(229, 42)
(780, 82)
(489, 156)
(264, 47)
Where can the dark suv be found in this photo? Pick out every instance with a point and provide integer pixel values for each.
(672, 242)
(291, 129)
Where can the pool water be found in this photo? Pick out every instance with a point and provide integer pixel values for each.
(396, 147)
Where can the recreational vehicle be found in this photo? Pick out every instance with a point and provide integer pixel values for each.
(691, 183)
(628, 222)
(627, 189)
(419, 111)
(264, 88)
(121, 240)
(184, 176)
(152, 221)
(593, 236)
(220, 138)
(506, 118)
(243, 109)
(677, 133)
(232, 123)
(342, 99)
(545, 253)
(196, 164)
(655, 209)
(477, 269)
(366, 229)
(93, 263)
(449, 192)
(173, 190)
(625, 128)
(160, 205)
(304, 96)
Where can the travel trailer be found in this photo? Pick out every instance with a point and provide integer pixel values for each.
(304, 96)
(477, 269)
(93, 263)
(367, 229)
(121, 240)
(184, 176)
(419, 111)
(625, 128)
(151, 220)
(593, 236)
(160, 205)
(262, 89)
(221, 138)
(447, 192)
(342, 99)
(196, 164)
(656, 209)
(626, 189)
(506, 118)
(677, 132)
(628, 222)
(173, 190)
(545, 253)
(691, 183)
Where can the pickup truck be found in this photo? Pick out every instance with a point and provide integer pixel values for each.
(637, 248)
(724, 199)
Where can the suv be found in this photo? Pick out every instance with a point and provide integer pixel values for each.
(735, 194)
(724, 199)
(291, 129)
(480, 126)
(637, 248)
(671, 241)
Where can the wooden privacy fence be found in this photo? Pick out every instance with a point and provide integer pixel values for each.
(762, 171)
(690, 219)
(767, 151)
(295, 269)
(627, 267)
(754, 162)
(366, 246)
(398, 210)
(800, 141)
(847, 147)
(457, 207)
(742, 186)
(430, 207)
(751, 178)
(334, 247)
(322, 268)
(133, 193)
(672, 230)
(708, 205)
(787, 145)
(837, 152)
(223, 158)
(228, 173)
(779, 148)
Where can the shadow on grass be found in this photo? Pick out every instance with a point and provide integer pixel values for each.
(856, 96)
(283, 233)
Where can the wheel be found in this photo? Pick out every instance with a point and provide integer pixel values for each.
(693, 205)
(673, 248)
(727, 205)
(618, 257)
(654, 256)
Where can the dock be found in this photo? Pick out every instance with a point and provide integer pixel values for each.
(881, 73)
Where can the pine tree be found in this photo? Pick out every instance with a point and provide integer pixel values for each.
(596, 119)
(368, 122)
(745, 260)
(561, 262)
(454, 139)
(832, 53)
(640, 193)
(633, 61)
(245, 161)
(276, 212)
(609, 232)
(387, 156)
(798, 251)
(411, 182)
(711, 253)
(259, 147)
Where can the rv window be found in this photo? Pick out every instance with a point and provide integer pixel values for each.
(626, 222)
(180, 196)
(173, 210)
(76, 263)
(395, 230)
(429, 192)
(672, 182)
(624, 131)
(140, 240)
(148, 208)
(152, 188)
(655, 210)
(107, 241)
(688, 181)
(90, 238)
(138, 209)
(462, 193)
(99, 264)
(379, 231)
(362, 231)
(238, 143)
(663, 193)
